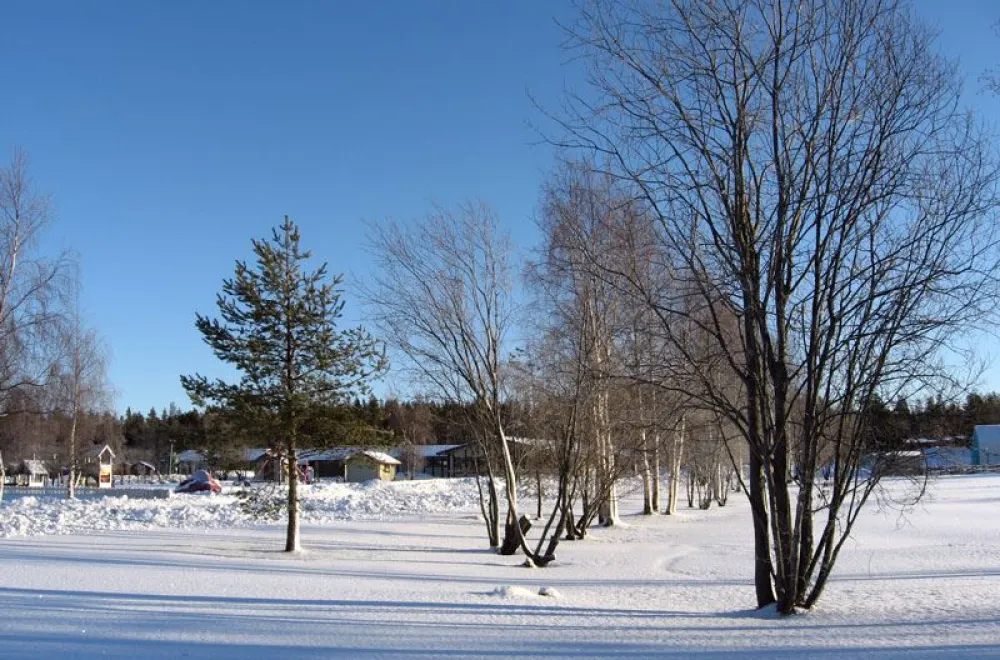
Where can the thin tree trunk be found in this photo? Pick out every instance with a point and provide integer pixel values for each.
(656, 473)
(71, 488)
(538, 484)
(690, 487)
(647, 486)
(488, 506)
(675, 469)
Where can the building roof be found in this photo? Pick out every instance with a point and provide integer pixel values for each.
(32, 467)
(190, 456)
(95, 452)
(254, 454)
(326, 454)
(521, 444)
(377, 456)
(424, 451)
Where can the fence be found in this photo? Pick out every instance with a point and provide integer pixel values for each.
(89, 493)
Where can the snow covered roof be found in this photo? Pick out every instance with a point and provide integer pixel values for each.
(424, 451)
(252, 455)
(326, 454)
(190, 456)
(33, 467)
(95, 452)
(920, 441)
(377, 456)
(531, 442)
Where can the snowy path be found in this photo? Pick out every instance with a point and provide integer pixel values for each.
(424, 587)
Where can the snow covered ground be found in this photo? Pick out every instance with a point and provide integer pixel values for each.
(322, 503)
(400, 569)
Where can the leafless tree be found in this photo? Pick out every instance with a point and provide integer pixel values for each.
(597, 244)
(82, 380)
(411, 458)
(587, 305)
(991, 77)
(31, 286)
(811, 176)
(443, 299)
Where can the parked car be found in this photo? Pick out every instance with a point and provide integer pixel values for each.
(199, 482)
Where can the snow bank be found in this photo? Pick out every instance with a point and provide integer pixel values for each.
(321, 503)
(377, 499)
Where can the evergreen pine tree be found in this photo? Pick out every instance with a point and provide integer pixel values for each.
(279, 329)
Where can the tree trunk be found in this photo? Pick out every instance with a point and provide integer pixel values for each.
(539, 493)
(675, 469)
(656, 473)
(571, 533)
(71, 488)
(690, 487)
(762, 548)
(787, 550)
(647, 485)
(489, 507)
(292, 541)
(514, 530)
(610, 506)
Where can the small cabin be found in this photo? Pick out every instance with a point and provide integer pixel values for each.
(99, 464)
(141, 469)
(189, 461)
(370, 465)
(31, 473)
(431, 460)
(326, 463)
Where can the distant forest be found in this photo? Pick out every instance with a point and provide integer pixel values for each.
(151, 436)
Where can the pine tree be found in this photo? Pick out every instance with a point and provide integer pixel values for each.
(279, 329)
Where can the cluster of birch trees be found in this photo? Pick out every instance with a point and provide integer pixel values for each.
(770, 217)
(53, 366)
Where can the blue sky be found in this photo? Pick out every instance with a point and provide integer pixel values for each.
(170, 133)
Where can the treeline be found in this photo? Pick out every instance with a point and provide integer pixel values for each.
(153, 435)
(934, 419)
(30, 435)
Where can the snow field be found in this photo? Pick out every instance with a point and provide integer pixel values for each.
(320, 503)
(380, 583)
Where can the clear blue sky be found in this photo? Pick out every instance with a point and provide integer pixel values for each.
(170, 133)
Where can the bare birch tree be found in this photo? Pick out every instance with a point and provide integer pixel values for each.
(811, 175)
(443, 299)
(31, 286)
(82, 382)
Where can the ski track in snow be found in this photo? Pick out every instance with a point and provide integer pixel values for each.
(401, 570)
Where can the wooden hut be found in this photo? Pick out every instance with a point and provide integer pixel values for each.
(367, 465)
(31, 473)
(141, 469)
(99, 464)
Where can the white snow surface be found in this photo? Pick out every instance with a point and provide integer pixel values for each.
(320, 503)
(401, 570)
